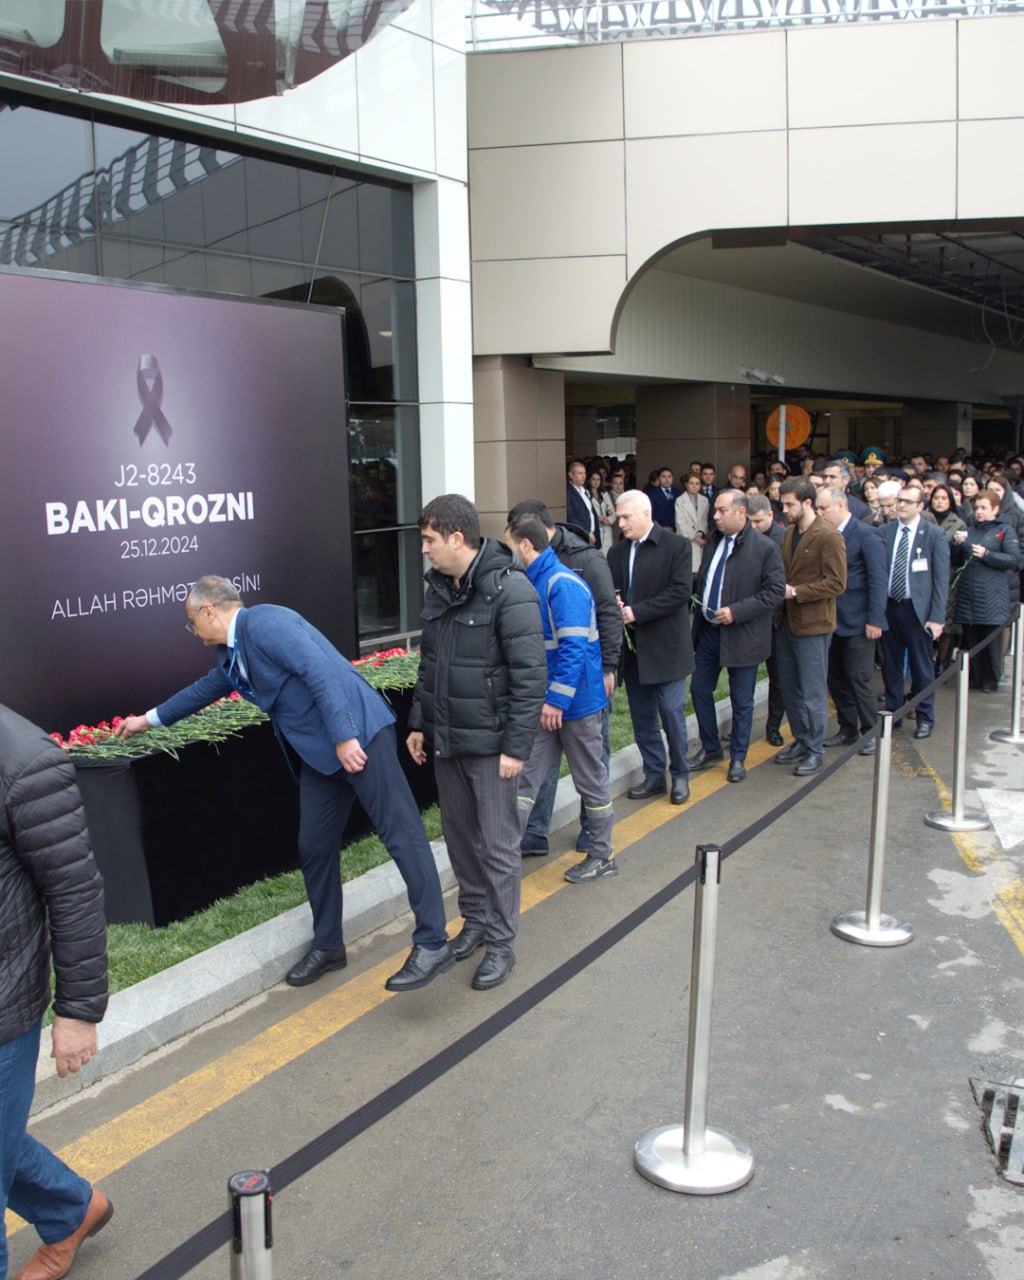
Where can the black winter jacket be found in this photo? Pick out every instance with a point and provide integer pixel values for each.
(984, 589)
(50, 889)
(574, 551)
(483, 670)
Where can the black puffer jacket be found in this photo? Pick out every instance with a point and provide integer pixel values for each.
(46, 870)
(984, 589)
(483, 672)
(570, 545)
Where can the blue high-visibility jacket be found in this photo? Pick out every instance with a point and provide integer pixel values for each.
(571, 641)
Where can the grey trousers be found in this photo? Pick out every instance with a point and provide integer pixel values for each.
(803, 675)
(482, 830)
(583, 743)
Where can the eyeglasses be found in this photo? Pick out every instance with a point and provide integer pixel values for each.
(190, 626)
(914, 502)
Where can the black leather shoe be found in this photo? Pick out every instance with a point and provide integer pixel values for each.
(649, 787)
(923, 730)
(868, 749)
(469, 939)
(704, 760)
(774, 737)
(808, 765)
(680, 791)
(737, 772)
(794, 752)
(314, 964)
(494, 968)
(839, 740)
(422, 967)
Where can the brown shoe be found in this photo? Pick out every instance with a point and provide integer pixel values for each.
(51, 1261)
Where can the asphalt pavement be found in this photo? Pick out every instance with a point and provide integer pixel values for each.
(453, 1133)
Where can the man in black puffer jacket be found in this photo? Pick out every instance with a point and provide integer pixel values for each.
(51, 897)
(482, 683)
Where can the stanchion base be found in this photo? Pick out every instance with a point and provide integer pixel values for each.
(969, 820)
(1007, 735)
(725, 1164)
(852, 926)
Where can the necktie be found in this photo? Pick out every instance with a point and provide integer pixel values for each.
(714, 596)
(898, 590)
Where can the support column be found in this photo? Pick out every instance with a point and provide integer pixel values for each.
(683, 422)
(444, 333)
(519, 429)
(935, 427)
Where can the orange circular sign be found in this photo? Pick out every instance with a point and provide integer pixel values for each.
(798, 426)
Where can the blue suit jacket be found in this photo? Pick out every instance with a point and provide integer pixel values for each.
(663, 509)
(867, 579)
(929, 588)
(313, 695)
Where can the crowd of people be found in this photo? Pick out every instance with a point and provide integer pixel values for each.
(984, 583)
(822, 568)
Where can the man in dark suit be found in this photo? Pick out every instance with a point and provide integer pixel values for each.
(814, 557)
(860, 621)
(740, 585)
(340, 733)
(579, 510)
(707, 481)
(917, 569)
(663, 500)
(762, 517)
(653, 574)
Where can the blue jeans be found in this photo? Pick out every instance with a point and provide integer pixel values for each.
(544, 803)
(36, 1185)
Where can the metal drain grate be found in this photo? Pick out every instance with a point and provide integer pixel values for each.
(1003, 1108)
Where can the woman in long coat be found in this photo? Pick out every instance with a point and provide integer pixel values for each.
(990, 550)
(692, 514)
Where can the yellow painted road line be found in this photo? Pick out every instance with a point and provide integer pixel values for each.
(1008, 904)
(137, 1131)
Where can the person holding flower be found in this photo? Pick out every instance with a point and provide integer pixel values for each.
(339, 736)
(988, 552)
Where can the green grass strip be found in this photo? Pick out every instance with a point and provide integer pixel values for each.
(136, 951)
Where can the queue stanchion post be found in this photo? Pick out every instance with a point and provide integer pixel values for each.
(870, 927)
(252, 1242)
(691, 1157)
(1014, 734)
(958, 818)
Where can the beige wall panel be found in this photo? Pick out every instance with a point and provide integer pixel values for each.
(488, 400)
(872, 73)
(991, 177)
(491, 459)
(549, 95)
(881, 173)
(546, 305)
(680, 186)
(676, 327)
(991, 55)
(543, 202)
(722, 85)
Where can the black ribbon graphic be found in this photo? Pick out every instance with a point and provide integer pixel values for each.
(150, 383)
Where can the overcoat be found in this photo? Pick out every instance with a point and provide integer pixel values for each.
(660, 599)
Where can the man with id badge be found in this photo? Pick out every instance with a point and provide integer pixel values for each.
(917, 556)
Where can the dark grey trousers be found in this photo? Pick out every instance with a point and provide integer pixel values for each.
(482, 830)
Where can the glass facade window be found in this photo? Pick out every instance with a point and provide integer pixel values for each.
(86, 195)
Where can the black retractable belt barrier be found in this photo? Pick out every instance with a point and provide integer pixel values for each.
(219, 1232)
